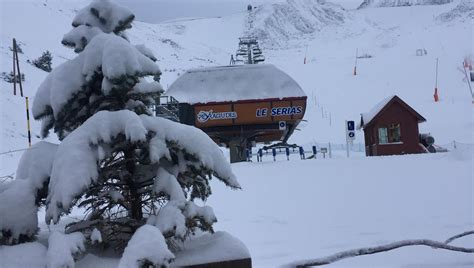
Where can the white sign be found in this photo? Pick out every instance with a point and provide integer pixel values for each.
(282, 125)
(204, 116)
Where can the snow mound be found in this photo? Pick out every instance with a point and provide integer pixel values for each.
(400, 3)
(234, 83)
(62, 248)
(29, 255)
(208, 248)
(18, 212)
(279, 23)
(147, 245)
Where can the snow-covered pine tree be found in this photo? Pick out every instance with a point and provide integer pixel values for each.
(44, 61)
(125, 167)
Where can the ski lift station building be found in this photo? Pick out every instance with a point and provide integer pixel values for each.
(240, 105)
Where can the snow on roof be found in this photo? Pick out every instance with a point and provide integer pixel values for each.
(233, 83)
(367, 117)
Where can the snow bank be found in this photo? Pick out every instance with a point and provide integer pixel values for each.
(209, 248)
(31, 255)
(146, 245)
(62, 248)
(233, 83)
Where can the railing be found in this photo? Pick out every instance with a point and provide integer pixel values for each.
(168, 107)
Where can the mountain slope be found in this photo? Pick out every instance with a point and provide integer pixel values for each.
(399, 3)
(391, 36)
(279, 24)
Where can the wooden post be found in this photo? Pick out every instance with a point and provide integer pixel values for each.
(355, 66)
(28, 121)
(18, 68)
(14, 67)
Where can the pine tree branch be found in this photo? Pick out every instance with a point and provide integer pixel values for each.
(372, 250)
(451, 239)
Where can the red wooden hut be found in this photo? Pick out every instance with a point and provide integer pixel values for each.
(391, 128)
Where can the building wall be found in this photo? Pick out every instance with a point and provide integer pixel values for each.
(409, 133)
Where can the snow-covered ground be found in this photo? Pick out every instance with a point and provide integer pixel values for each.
(306, 209)
(299, 209)
(302, 209)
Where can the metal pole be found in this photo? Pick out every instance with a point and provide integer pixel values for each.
(347, 141)
(436, 82)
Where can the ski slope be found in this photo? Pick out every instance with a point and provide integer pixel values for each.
(303, 209)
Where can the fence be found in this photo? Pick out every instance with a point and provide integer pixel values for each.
(306, 151)
(329, 150)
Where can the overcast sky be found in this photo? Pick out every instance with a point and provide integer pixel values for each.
(154, 11)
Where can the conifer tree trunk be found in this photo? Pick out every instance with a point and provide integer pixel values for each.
(135, 210)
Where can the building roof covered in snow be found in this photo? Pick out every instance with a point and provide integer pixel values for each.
(234, 83)
(367, 118)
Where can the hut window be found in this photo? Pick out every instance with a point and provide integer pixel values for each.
(394, 133)
(383, 135)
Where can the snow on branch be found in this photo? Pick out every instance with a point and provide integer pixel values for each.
(77, 153)
(146, 248)
(64, 248)
(79, 37)
(451, 239)
(107, 54)
(104, 14)
(76, 164)
(20, 198)
(372, 250)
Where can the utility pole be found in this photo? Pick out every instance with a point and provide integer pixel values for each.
(16, 69)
